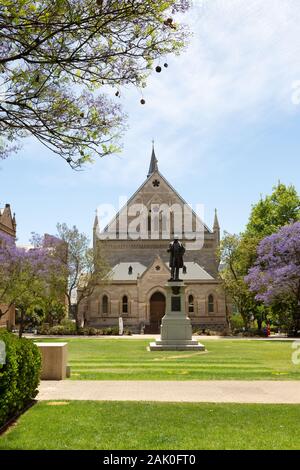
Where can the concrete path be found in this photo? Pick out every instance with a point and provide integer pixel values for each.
(235, 391)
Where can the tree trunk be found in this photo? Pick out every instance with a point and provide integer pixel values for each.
(245, 319)
(77, 319)
(296, 321)
(228, 316)
(21, 326)
(296, 314)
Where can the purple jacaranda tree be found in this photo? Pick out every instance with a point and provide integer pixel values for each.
(25, 276)
(275, 277)
(64, 64)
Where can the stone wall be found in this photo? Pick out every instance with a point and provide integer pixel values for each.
(145, 250)
(9, 318)
(139, 294)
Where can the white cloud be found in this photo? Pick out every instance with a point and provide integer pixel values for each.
(240, 66)
(243, 58)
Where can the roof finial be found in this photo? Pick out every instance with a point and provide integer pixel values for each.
(153, 162)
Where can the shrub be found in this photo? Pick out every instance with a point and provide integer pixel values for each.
(127, 332)
(19, 376)
(251, 332)
(205, 332)
(67, 322)
(69, 328)
(114, 330)
(44, 329)
(66, 328)
(236, 322)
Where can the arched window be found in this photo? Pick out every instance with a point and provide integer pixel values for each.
(125, 304)
(211, 304)
(149, 221)
(105, 304)
(191, 304)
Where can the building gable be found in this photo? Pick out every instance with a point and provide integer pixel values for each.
(129, 238)
(156, 190)
(7, 221)
(157, 268)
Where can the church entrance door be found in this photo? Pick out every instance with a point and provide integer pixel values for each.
(157, 311)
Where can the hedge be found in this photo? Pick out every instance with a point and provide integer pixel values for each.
(65, 330)
(19, 376)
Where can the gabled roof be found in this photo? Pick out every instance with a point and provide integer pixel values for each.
(156, 172)
(120, 272)
(194, 272)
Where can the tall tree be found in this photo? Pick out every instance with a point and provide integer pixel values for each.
(279, 208)
(25, 276)
(83, 271)
(232, 274)
(239, 252)
(58, 57)
(275, 277)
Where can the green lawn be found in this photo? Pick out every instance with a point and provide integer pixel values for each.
(113, 359)
(132, 425)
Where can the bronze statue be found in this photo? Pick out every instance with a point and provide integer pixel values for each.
(176, 250)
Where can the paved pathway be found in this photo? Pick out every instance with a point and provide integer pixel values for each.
(233, 391)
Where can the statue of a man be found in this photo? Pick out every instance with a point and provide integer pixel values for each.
(176, 250)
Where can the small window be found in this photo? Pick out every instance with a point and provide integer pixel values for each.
(191, 304)
(125, 304)
(211, 304)
(105, 304)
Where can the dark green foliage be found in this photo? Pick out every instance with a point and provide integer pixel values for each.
(19, 376)
(238, 253)
(69, 328)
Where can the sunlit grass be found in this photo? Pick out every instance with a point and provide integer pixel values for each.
(133, 425)
(112, 359)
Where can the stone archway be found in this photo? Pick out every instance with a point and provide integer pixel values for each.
(157, 311)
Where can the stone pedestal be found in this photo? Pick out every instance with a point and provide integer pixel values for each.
(176, 327)
(54, 360)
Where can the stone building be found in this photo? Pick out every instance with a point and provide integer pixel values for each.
(135, 290)
(8, 227)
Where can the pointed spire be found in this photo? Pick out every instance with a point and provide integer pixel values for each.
(14, 221)
(216, 228)
(96, 220)
(153, 163)
(216, 221)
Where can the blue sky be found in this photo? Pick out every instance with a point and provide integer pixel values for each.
(225, 117)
